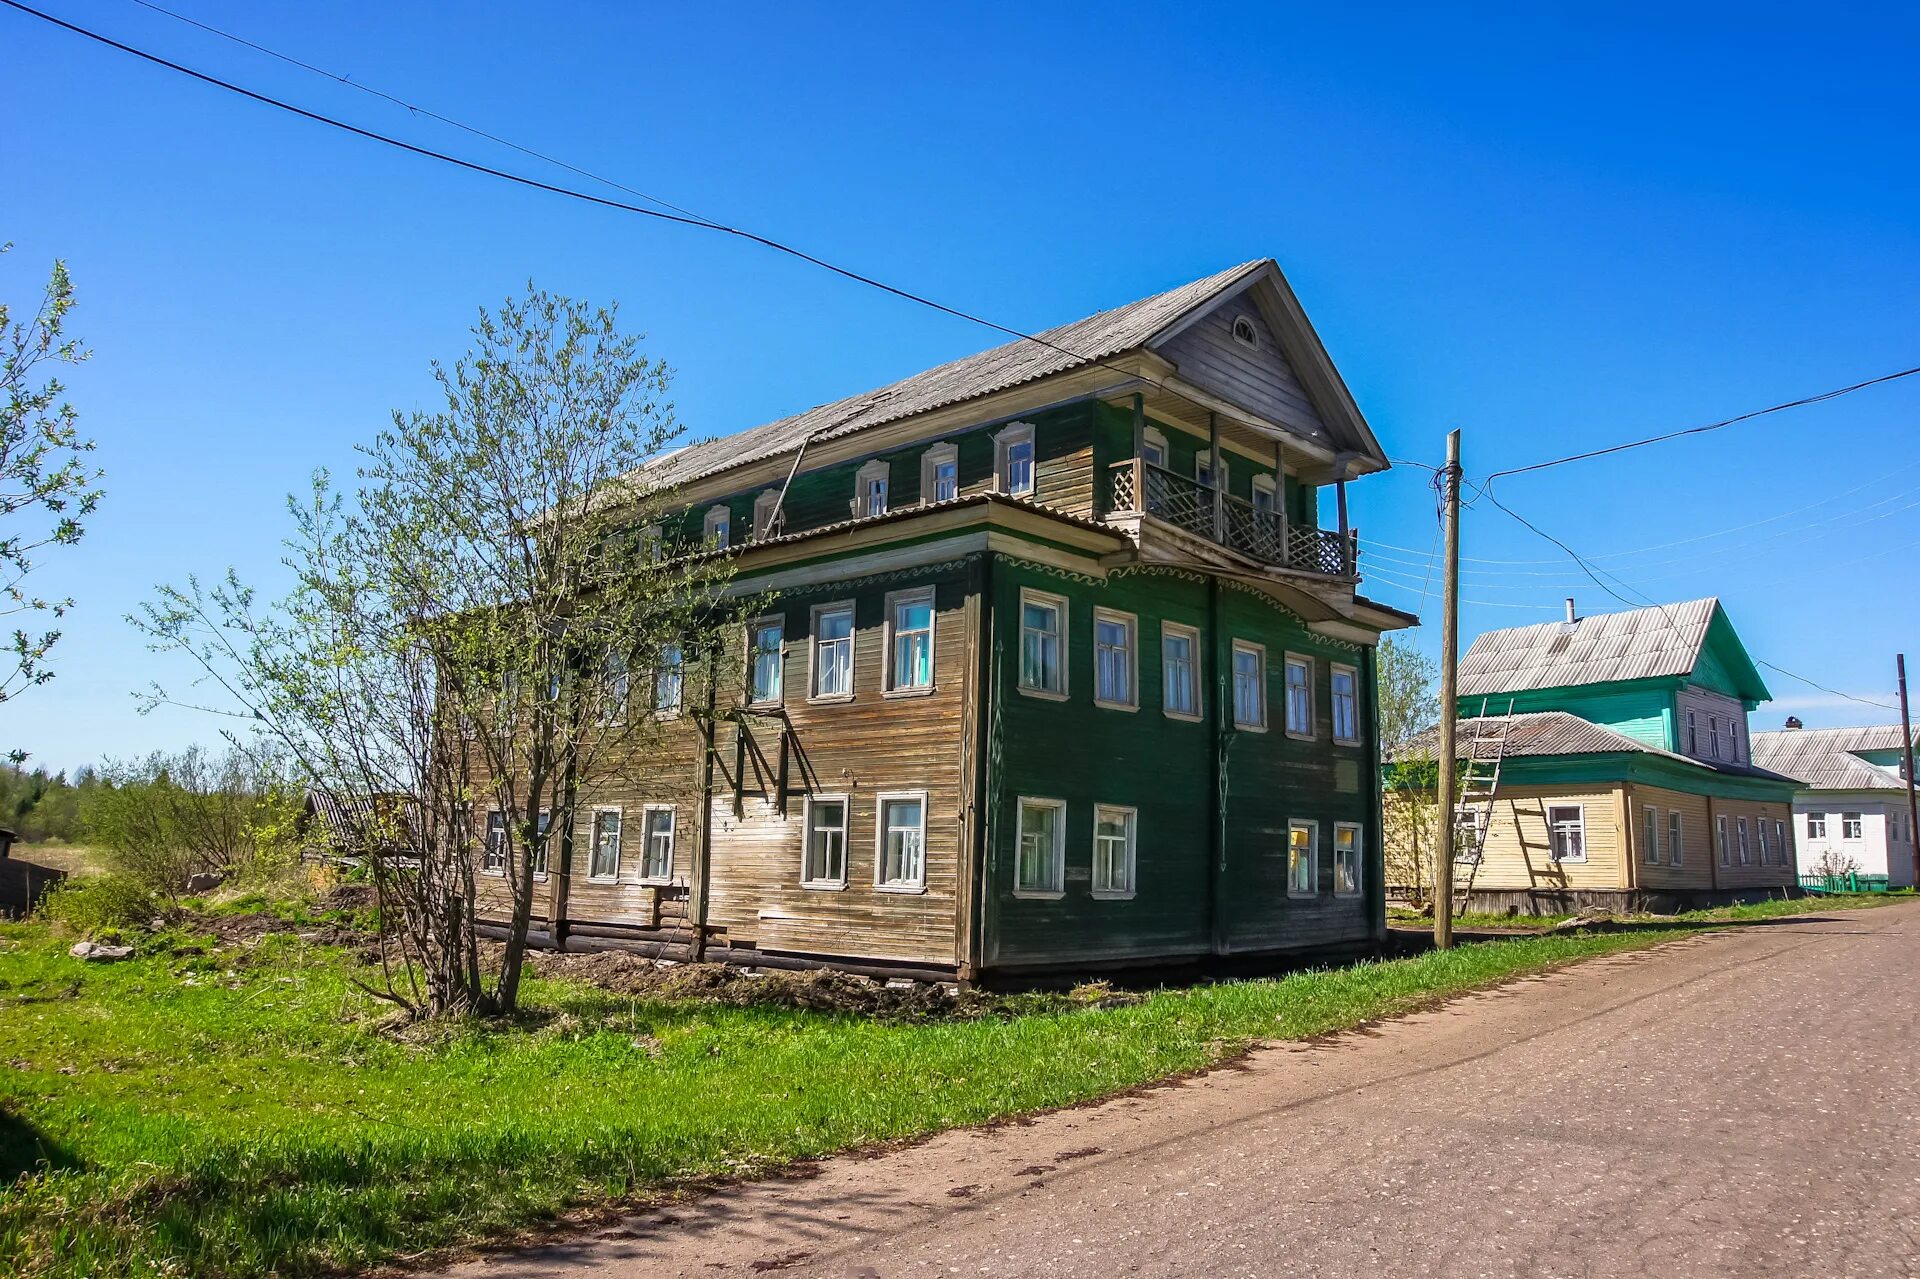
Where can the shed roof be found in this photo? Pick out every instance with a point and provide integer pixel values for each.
(1070, 346)
(1825, 758)
(1642, 643)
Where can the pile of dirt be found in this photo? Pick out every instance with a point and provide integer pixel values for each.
(818, 990)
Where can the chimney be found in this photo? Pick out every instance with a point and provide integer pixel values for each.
(1571, 615)
(1793, 721)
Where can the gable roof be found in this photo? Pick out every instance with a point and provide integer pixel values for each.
(1825, 759)
(1537, 734)
(1070, 346)
(1644, 643)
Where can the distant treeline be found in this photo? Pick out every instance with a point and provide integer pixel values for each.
(39, 806)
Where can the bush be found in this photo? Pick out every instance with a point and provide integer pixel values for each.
(100, 904)
(169, 817)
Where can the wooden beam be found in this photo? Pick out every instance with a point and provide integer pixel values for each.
(1219, 489)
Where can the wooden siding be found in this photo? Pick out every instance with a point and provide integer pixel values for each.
(1642, 712)
(1210, 358)
(1695, 870)
(1774, 874)
(1708, 706)
(1114, 435)
(1518, 856)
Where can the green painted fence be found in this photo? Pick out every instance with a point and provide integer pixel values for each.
(1849, 883)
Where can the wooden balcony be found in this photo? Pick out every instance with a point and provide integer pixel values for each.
(1137, 487)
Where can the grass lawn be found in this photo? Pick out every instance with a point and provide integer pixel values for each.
(238, 1113)
(1772, 908)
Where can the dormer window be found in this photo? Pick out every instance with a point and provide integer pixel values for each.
(940, 473)
(768, 518)
(718, 527)
(870, 490)
(1013, 465)
(1245, 333)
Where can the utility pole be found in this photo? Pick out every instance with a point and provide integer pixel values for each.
(1448, 777)
(1906, 747)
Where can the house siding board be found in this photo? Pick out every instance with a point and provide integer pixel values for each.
(1208, 356)
(1695, 871)
(1643, 712)
(1517, 853)
(1709, 706)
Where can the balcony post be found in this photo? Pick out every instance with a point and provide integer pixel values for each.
(1219, 490)
(1280, 499)
(1139, 425)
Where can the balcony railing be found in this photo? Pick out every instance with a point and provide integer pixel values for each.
(1135, 485)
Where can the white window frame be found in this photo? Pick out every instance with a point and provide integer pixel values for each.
(593, 846)
(716, 527)
(486, 844)
(1713, 735)
(1191, 633)
(1676, 836)
(1003, 446)
(1359, 859)
(1130, 853)
(652, 543)
(1202, 461)
(543, 848)
(1853, 827)
(1760, 838)
(888, 631)
(765, 503)
(1693, 732)
(612, 712)
(1740, 835)
(1058, 603)
(1265, 484)
(846, 840)
(1312, 827)
(1817, 827)
(1720, 829)
(646, 842)
(1780, 838)
(1130, 623)
(1153, 438)
(1334, 671)
(678, 666)
(1553, 849)
(919, 884)
(754, 628)
(1292, 660)
(877, 469)
(1059, 859)
(815, 648)
(1259, 653)
(930, 463)
(1650, 834)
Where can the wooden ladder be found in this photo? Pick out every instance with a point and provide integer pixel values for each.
(1479, 784)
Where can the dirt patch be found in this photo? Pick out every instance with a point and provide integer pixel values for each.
(818, 990)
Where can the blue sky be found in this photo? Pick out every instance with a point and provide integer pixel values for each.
(1554, 229)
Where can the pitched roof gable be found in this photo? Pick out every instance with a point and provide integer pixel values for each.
(1665, 640)
(1826, 758)
(1070, 346)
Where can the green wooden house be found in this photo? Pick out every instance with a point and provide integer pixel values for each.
(1066, 668)
(1610, 764)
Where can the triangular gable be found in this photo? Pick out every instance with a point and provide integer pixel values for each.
(1725, 666)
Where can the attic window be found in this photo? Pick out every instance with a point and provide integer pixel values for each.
(1245, 334)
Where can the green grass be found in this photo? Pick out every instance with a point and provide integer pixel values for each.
(217, 1115)
(1772, 908)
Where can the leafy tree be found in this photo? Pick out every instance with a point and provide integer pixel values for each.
(163, 819)
(1409, 706)
(1409, 700)
(470, 627)
(48, 485)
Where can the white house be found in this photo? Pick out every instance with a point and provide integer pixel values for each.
(1852, 814)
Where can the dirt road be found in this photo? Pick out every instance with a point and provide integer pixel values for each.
(1746, 1103)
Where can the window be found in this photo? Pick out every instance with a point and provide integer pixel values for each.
(1567, 832)
(1713, 736)
(900, 862)
(768, 517)
(1851, 827)
(493, 857)
(1113, 659)
(832, 652)
(540, 843)
(604, 861)
(1693, 734)
(1013, 466)
(1780, 841)
(1153, 448)
(824, 863)
(1733, 739)
(1299, 696)
(1113, 843)
(766, 643)
(1760, 833)
(1650, 836)
(1041, 868)
(1346, 859)
(940, 473)
(1726, 845)
(870, 490)
(1346, 705)
(616, 685)
(1740, 831)
(718, 527)
(1203, 469)
(910, 641)
(652, 543)
(1180, 670)
(1043, 644)
(1673, 837)
(1303, 859)
(667, 679)
(1249, 686)
(1816, 825)
(1245, 333)
(1469, 833)
(656, 866)
(1263, 490)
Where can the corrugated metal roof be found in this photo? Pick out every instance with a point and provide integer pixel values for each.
(1823, 758)
(1540, 733)
(1642, 643)
(1095, 338)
